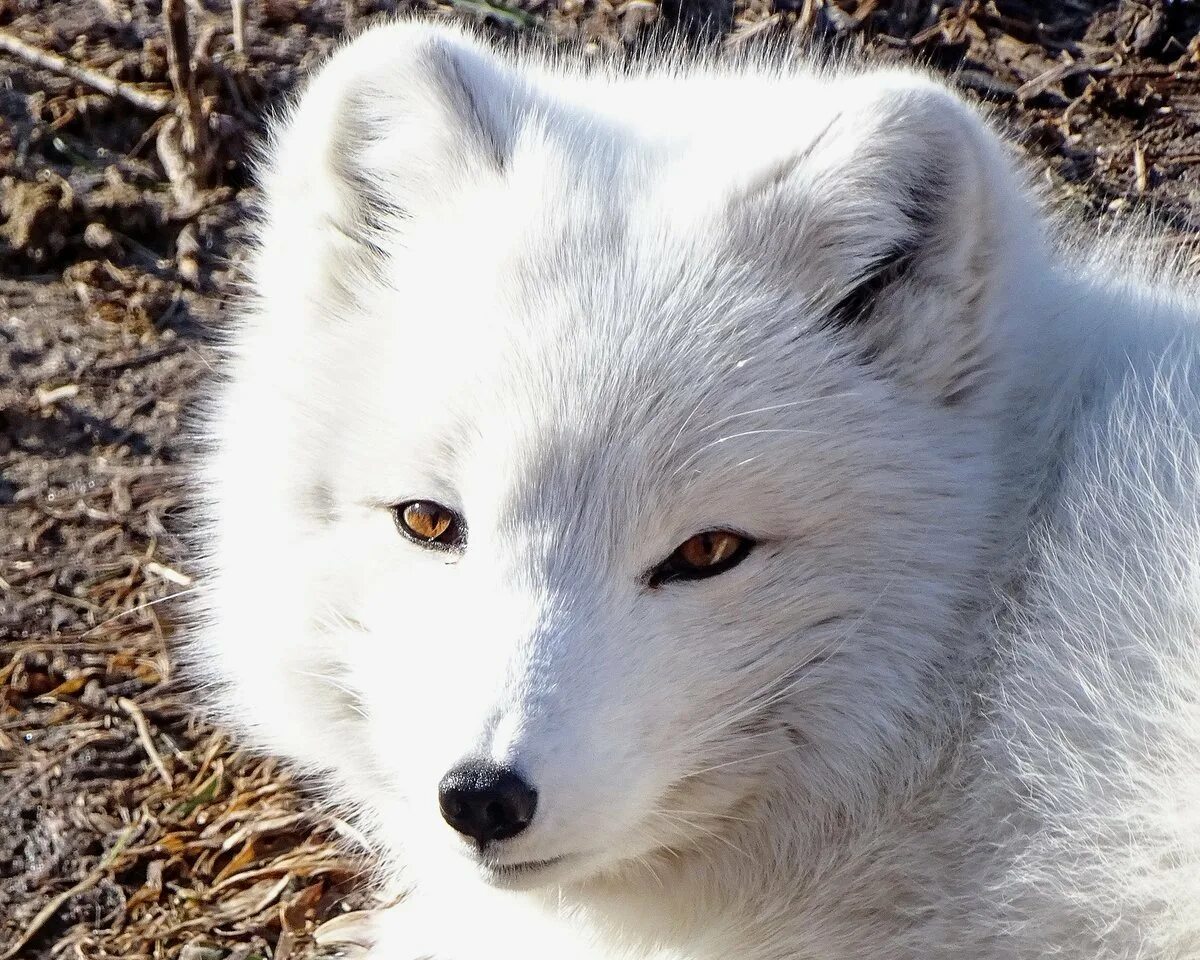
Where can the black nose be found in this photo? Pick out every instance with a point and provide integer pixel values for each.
(486, 801)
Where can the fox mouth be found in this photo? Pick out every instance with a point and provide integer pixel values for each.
(529, 873)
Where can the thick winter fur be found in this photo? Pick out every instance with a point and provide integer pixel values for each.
(948, 706)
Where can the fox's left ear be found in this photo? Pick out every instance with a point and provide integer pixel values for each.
(897, 221)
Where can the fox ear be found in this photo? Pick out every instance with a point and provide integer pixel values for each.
(395, 121)
(895, 220)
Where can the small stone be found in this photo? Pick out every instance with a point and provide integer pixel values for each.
(200, 949)
(98, 236)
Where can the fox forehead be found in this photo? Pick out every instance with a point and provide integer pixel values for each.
(577, 298)
(581, 363)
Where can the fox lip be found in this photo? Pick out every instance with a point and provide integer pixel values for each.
(527, 873)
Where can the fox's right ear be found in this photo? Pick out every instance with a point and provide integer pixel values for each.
(395, 121)
(902, 218)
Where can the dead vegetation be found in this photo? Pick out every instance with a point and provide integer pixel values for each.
(128, 828)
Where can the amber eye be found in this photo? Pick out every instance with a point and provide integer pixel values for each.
(429, 523)
(704, 555)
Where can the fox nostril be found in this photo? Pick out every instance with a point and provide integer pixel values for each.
(485, 801)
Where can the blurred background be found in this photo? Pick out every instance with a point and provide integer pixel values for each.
(128, 828)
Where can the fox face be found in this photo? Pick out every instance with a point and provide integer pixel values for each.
(586, 477)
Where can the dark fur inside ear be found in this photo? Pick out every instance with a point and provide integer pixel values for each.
(368, 152)
(855, 306)
(370, 210)
(910, 250)
(924, 214)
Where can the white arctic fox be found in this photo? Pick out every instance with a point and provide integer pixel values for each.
(696, 511)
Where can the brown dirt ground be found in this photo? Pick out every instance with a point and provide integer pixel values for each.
(128, 828)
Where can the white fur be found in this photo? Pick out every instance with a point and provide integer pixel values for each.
(949, 706)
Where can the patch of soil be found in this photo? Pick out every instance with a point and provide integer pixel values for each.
(128, 828)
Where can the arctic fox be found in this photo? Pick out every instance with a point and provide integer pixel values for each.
(705, 510)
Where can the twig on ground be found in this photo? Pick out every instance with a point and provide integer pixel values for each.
(239, 25)
(144, 734)
(184, 146)
(1057, 74)
(50, 909)
(807, 18)
(142, 99)
(49, 765)
(179, 66)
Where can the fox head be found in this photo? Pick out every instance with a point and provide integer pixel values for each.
(606, 456)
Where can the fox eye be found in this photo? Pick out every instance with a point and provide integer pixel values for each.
(429, 523)
(704, 555)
